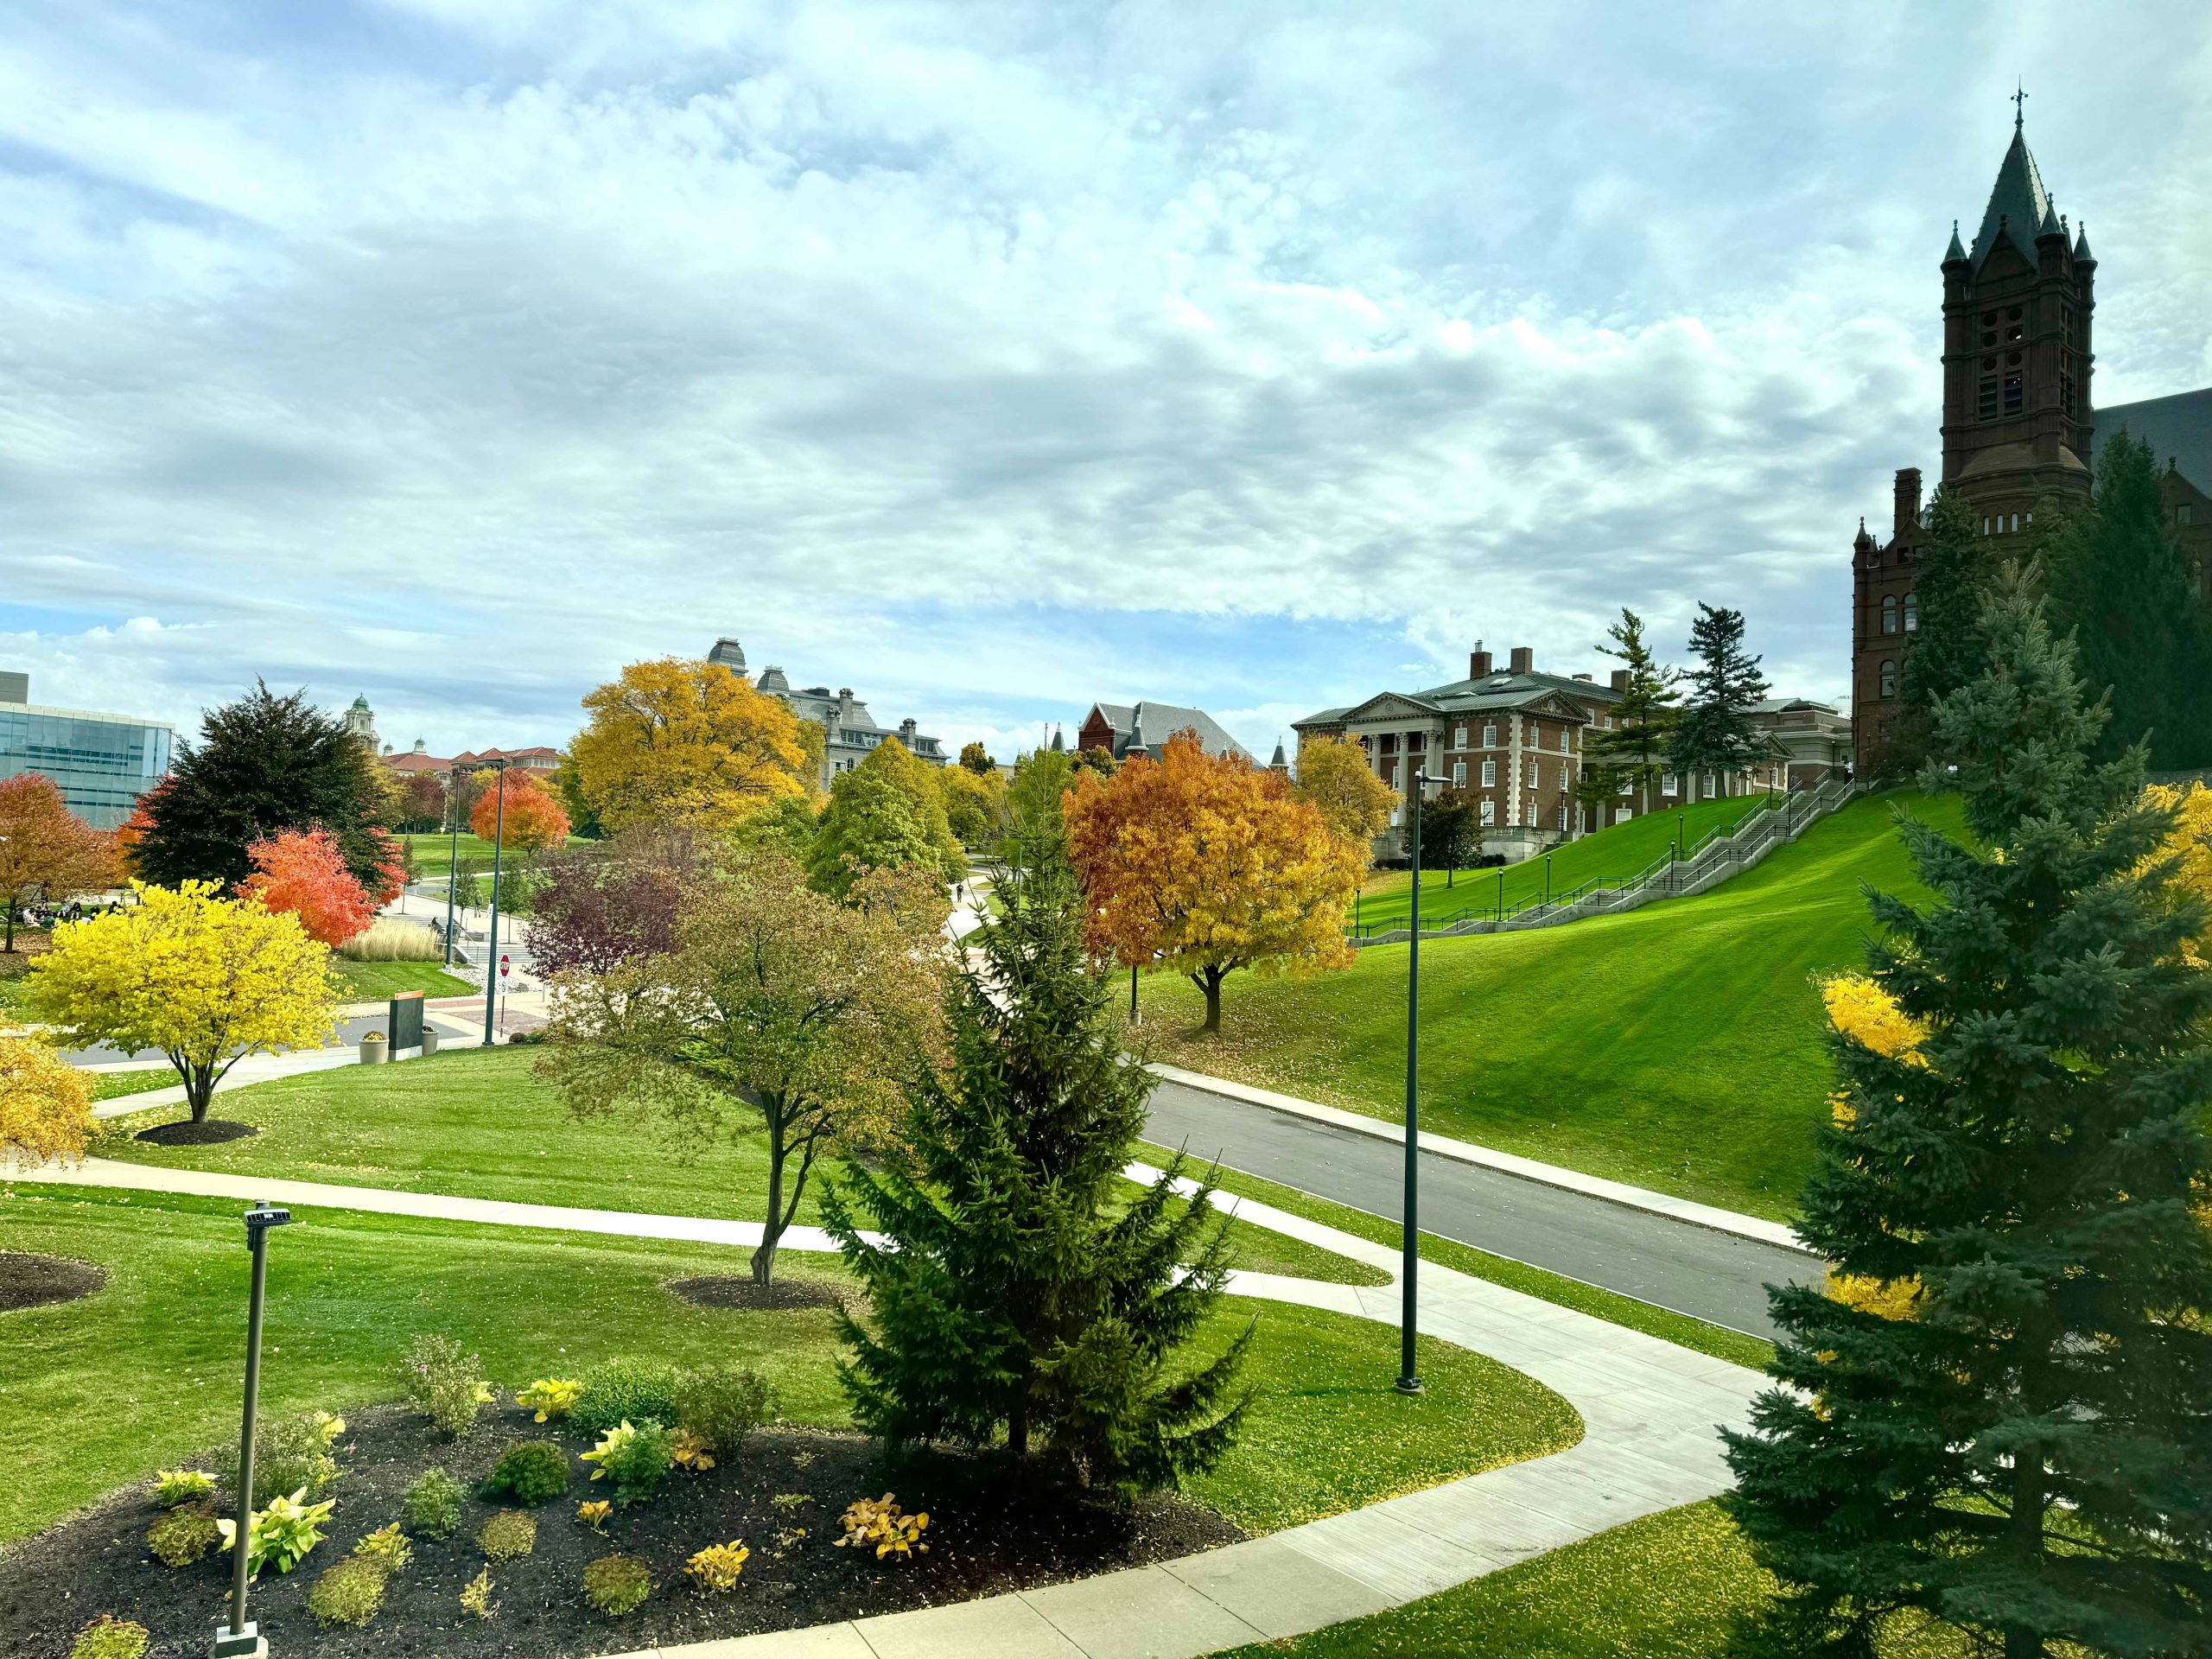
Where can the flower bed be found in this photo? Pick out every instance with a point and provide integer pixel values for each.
(780, 1497)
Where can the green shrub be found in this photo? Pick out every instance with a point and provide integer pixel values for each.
(349, 1593)
(722, 1404)
(617, 1584)
(109, 1638)
(283, 1532)
(291, 1454)
(626, 1391)
(533, 1473)
(175, 1486)
(184, 1534)
(447, 1382)
(508, 1536)
(634, 1458)
(433, 1504)
(387, 1547)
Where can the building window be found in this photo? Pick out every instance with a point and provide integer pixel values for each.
(1710, 785)
(1986, 400)
(1889, 612)
(1528, 815)
(1564, 781)
(1666, 786)
(1625, 785)
(1415, 741)
(1459, 774)
(1562, 815)
(1535, 775)
(1889, 679)
(1459, 737)
(1489, 775)
(1912, 613)
(1390, 742)
(2182, 514)
(1565, 747)
(2016, 395)
(1490, 806)
(1489, 734)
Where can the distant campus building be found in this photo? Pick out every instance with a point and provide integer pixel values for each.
(850, 730)
(2020, 423)
(1143, 728)
(101, 763)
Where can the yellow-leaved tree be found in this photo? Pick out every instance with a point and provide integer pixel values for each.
(689, 742)
(1205, 864)
(1334, 774)
(46, 1104)
(2191, 843)
(204, 979)
(1861, 1011)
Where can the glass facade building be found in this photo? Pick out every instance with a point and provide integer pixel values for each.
(103, 763)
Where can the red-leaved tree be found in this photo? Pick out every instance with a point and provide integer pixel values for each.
(303, 870)
(533, 818)
(618, 902)
(392, 869)
(46, 853)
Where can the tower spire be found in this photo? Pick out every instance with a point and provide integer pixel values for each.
(2019, 105)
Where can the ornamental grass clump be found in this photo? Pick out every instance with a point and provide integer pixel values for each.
(110, 1637)
(351, 1592)
(533, 1473)
(616, 1585)
(433, 1504)
(184, 1534)
(716, 1568)
(507, 1536)
(879, 1524)
(447, 1382)
(634, 1458)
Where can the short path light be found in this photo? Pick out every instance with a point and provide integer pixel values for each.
(238, 1637)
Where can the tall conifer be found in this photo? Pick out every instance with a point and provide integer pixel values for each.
(2016, 1439)
(1627, 758)
(1020, 1290)
(1945, 644)
(1714, 731)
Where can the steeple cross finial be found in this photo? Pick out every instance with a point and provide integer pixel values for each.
(2019, 105)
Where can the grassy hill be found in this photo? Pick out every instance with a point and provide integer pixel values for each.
(1625, 849)
(1678, 1047)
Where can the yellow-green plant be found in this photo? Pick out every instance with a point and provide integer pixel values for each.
(386, 1547)
(550, 1397)
(634, 1458)
(183, 1535)
(476, 1596)
(508, 1535)
(282, 1533)
(595, 1513)
(175, 1486)
(617, 1584)
(351, 1592)
(879, 1524)
(110, 1637)
(714, 1569)
(689, 1450)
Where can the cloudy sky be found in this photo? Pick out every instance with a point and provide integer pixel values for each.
(994, 358)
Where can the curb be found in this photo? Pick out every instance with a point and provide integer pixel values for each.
(1706, 1215)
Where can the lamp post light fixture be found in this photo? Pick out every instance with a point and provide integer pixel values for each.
(239, 1637)
(452, 856)
(492, 944)
(1409, 1377)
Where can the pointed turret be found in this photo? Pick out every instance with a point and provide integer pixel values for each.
(1135, 745)
(1059, 744)
(1956, 253)
(1281, 763)
(1862, 541)
(2081, 254)
(2017, 203)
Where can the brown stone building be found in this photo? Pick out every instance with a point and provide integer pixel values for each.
(2019, 423)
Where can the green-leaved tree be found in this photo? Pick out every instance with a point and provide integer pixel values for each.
(2016, 1439)
(1627, 759)
(1714, 731)
(887, 813)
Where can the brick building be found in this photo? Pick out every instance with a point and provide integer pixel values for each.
(1144, 726)
(2019, 423)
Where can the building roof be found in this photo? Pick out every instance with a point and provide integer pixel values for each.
(2018, 205)
(2178, 430)
(1487, 694)
(1161, 720)
(416, 760)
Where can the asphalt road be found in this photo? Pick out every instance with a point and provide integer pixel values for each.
(1714, 1276)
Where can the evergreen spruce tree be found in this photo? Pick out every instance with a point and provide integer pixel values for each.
(1946, 648)
(1627, 759)
(1714, 733)
(2020, 1443)
(263, 764)
(2120, 581)
(1019, 1292)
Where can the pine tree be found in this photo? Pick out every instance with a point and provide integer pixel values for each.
(2022, 1446)
(1946, 647)
(2120, 581)
(263, 764)
(1018, 1291)
(1714, 731)
(1627, 758)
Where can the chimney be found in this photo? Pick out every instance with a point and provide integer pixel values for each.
(1477, 664)
(1582, 677)
(1908, 508)
(1620, 679)
(1524, 659)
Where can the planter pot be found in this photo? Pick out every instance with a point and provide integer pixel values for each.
(430, 1038)
(374, 1050)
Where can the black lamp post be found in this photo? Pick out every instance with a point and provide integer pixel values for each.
(1408, 1378)
(238, 1637)
(452, 856)
(492, 946)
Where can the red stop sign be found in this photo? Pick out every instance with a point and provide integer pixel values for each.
(503, 965)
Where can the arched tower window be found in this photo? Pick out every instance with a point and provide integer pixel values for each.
(1912, 613)
(1889, 679)
(1889, 612)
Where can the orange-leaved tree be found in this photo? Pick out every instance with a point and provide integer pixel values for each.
(302, 873)
(1205, 864)
(46, 853)
(517, 807)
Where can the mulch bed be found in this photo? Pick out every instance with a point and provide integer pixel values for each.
(37, 1280)
(987, 1534)
(737, 1290)
(207, 1133)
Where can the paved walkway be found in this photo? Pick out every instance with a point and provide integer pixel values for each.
(1649, 1410)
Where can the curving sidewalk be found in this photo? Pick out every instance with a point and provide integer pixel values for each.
(1649, 1411)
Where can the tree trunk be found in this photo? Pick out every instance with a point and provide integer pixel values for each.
(199, 1089)
(2029, 1500)
(763, 1258)
(10, 947)
(1209, 982)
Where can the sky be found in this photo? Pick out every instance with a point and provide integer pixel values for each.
(994, 359)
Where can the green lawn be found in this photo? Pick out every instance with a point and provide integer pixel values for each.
(114, 1085)
(1678, 1047)
(1610, 854)
(1668, 1586)
(476, 1124)
(435, 853)
(371, 982)
(145, 1372)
